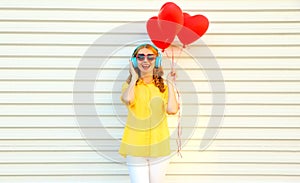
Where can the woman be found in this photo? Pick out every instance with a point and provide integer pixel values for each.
(145, 142)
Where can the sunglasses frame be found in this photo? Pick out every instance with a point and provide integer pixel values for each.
(151, 56)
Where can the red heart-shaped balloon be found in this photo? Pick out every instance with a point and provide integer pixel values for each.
(170, 18)
(193, 28)
(159, 37)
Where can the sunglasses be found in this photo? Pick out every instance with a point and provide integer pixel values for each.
(141, 57)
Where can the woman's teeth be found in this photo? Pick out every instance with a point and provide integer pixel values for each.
(145, 66)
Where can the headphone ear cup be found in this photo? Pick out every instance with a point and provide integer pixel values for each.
(158, 61)
(134, 62)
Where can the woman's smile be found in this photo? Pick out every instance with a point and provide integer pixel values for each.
(146, 66)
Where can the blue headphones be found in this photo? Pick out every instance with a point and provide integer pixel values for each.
(157, 59)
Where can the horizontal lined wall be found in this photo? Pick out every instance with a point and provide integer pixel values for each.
(255, 44)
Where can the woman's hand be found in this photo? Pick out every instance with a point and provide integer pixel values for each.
(172, 106)
(128, 94)
(171, 77)
(132, 71)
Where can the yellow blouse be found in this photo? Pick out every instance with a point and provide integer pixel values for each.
(146, 132)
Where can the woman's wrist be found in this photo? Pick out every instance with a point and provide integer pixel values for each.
(133, 80)
(169, 82)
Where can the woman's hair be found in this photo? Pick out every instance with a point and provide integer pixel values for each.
(157, 72)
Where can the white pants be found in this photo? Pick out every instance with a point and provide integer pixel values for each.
(147, 170)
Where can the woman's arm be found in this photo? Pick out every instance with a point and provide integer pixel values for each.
(128, 94)
(172, 107)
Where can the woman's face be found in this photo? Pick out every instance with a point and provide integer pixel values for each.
(146, 61)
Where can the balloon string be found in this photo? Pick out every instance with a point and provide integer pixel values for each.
(172, 66)
(167, 54)
(179, 129)
(179, 55)
(172, 59)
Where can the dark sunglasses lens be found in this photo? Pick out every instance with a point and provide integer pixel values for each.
(141, 57)
(150, 57)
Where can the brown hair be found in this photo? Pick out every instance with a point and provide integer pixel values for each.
(157, 72)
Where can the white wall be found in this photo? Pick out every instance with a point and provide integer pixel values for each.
(256, 44)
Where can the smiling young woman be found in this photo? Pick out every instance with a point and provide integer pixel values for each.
(146, 139)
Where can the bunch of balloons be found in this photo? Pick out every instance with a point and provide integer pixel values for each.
(171, 22)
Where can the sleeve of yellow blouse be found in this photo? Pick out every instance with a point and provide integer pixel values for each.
(124, 87)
